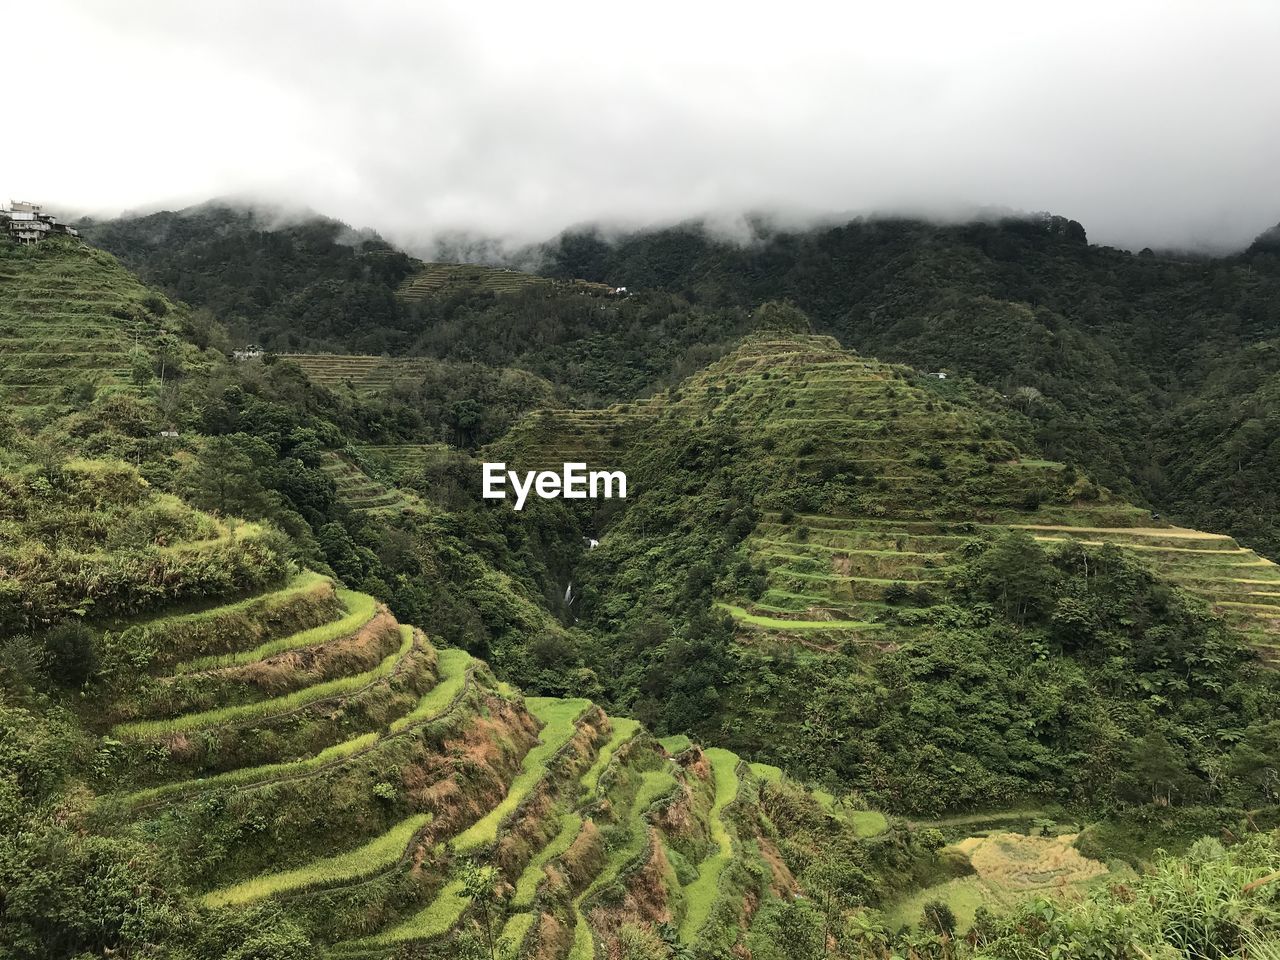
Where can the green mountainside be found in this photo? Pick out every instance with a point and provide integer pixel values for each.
(862, 526)
(309, 285)
(1151, 371)
(1143, 369)
(853, 671)
(274, 739)
(57, 348)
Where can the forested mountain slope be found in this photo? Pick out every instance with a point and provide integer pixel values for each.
(240, 758)
(245, 710)
(1121, 361)
(882, 548)
(307, 284)
(1115, 357)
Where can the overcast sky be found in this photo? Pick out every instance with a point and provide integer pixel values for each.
(1153, 123)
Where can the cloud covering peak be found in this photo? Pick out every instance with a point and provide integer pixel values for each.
(1152, 122)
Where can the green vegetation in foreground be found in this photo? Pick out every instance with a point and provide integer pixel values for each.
(436, 919)
(267, 708)
(558, 718)
(624, 729)
(360, 609)
(531, 876)
(654, 784)
(375, 855)
(248, 776)
(1084, 680)
(700, 895)
(452, 665)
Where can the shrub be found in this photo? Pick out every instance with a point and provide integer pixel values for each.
(896, 593)
(72, 653)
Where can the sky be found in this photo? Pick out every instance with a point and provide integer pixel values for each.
(1153, 122)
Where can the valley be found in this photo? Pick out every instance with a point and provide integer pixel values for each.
(853, 667)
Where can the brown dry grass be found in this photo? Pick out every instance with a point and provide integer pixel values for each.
(645, 902)
(554, 938)
(1017, 862)
(471, 772)
(782, 883)
(584, 858)
(355, 653)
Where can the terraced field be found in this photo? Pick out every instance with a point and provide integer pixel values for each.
(359, 491)
(291, 742)
(405, 459)
(832, 575)
(546, 439)
(436, 279)
(913, 479)
(910, 479)
(70, 318)
(359, 372)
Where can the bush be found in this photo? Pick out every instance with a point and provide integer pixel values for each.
(71, 647)
(896, 593)
(937, 917)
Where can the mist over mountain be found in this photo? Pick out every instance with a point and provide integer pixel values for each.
(670, 482)
(1144, 122)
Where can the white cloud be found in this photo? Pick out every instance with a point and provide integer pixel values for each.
(1152, 122)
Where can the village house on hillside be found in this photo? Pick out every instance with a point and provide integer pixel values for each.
(24, 223)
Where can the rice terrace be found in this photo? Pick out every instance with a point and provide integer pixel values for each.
(622, 553)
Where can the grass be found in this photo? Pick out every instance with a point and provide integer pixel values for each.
(654, 784)
(517, 928)
(434, 920)
(245, 713)
(766, 772)
(301, 583)
(1010, 868)
(623, 730)
(700, 894)
(527, 884)
(247, 776)
(676, 743)
(452, 666)
(55, 280)
(377, 854)
(360, 607)
(866, 823)
(584, 946)
(558, 718)
(771, 623)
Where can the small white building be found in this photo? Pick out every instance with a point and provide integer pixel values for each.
(251, 352)
(24, 223)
